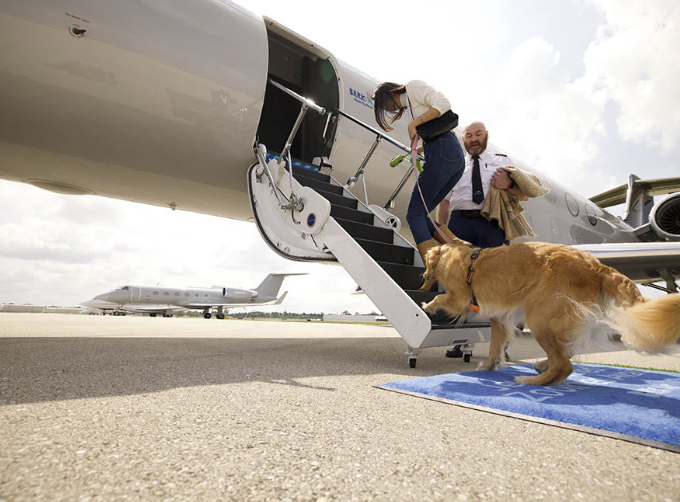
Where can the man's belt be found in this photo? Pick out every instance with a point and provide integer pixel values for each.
(462, 213)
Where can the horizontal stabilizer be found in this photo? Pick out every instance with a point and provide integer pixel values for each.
(618, 195)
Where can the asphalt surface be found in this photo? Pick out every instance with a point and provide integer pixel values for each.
(138, 408)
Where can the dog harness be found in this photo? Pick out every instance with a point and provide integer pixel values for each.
(474, 306)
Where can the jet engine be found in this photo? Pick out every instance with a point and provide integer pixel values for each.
(665, 218)
(239, 294)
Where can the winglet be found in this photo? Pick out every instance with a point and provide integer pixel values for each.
(279, 300)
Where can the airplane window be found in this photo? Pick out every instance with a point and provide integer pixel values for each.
(206, 295)
(155, 293)
(592, 219)
(126, 288)
(176, 294)
(187, 294)
(166, 294)
(196, 295)
(572, 205)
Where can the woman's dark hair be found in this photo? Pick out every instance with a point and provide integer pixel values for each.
(386, 103)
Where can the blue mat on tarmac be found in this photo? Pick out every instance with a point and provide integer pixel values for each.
(642, 406)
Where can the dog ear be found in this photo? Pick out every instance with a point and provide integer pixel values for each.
(432, 258)
(435, 255)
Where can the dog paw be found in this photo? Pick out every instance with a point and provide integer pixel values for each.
(541, 366)
(487, 366)
(425, 307)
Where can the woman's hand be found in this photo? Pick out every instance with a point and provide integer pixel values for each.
(412, 128)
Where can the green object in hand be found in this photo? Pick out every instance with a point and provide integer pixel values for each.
(399, 159)
(396, 161)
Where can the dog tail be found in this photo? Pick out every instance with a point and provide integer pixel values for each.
(648, 326)
(619, 287)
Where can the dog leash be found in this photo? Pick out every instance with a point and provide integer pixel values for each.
(474, 305)
(414, 158)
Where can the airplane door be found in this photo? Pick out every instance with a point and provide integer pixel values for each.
(135, 293)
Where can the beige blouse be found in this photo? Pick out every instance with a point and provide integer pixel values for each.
(423, 97)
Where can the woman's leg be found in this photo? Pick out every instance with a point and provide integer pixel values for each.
(444, 164)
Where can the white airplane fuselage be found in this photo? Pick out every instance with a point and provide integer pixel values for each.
(182, 297)
(162, 102)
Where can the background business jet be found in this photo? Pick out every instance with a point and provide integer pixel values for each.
(217, 110)
(163, 300)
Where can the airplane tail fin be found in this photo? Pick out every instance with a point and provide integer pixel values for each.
(269, 288)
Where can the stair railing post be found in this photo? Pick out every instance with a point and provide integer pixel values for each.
(263, 162)
(285, 153)
(360, 172)
(390, 202)
(389, 205)
(284, 157)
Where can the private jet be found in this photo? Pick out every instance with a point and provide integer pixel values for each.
(155, 300)
(204, 106)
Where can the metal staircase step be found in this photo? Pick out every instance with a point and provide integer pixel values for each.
(453, 324)
(368, 232)
(438, 318)
(310, 173)
(339, 200)
(421, 296)
(380, 251)
(407, 276)
(347, 213)
(319, 185)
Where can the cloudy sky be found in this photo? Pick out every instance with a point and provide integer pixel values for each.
(587, 91)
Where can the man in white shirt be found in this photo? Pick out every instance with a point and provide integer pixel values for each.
(462, 206)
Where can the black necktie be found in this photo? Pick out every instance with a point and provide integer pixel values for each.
(477, 190)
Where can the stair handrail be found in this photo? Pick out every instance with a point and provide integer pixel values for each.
(373, 130)
(284, 157)
(311, 104)
(379, 136)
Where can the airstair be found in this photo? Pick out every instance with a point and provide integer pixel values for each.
(304, 214)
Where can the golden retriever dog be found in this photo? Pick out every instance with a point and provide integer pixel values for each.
(563, 295)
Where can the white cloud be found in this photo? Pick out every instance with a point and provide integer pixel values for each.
(551, 122)
(634, 60)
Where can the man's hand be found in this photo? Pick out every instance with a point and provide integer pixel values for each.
(500, 179)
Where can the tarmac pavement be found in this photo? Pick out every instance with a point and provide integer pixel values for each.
(139, 408)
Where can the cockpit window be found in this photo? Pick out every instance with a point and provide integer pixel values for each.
(125, 288)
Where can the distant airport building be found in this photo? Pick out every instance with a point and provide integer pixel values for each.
(38, 309)
(23, 309)
(63, 310)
